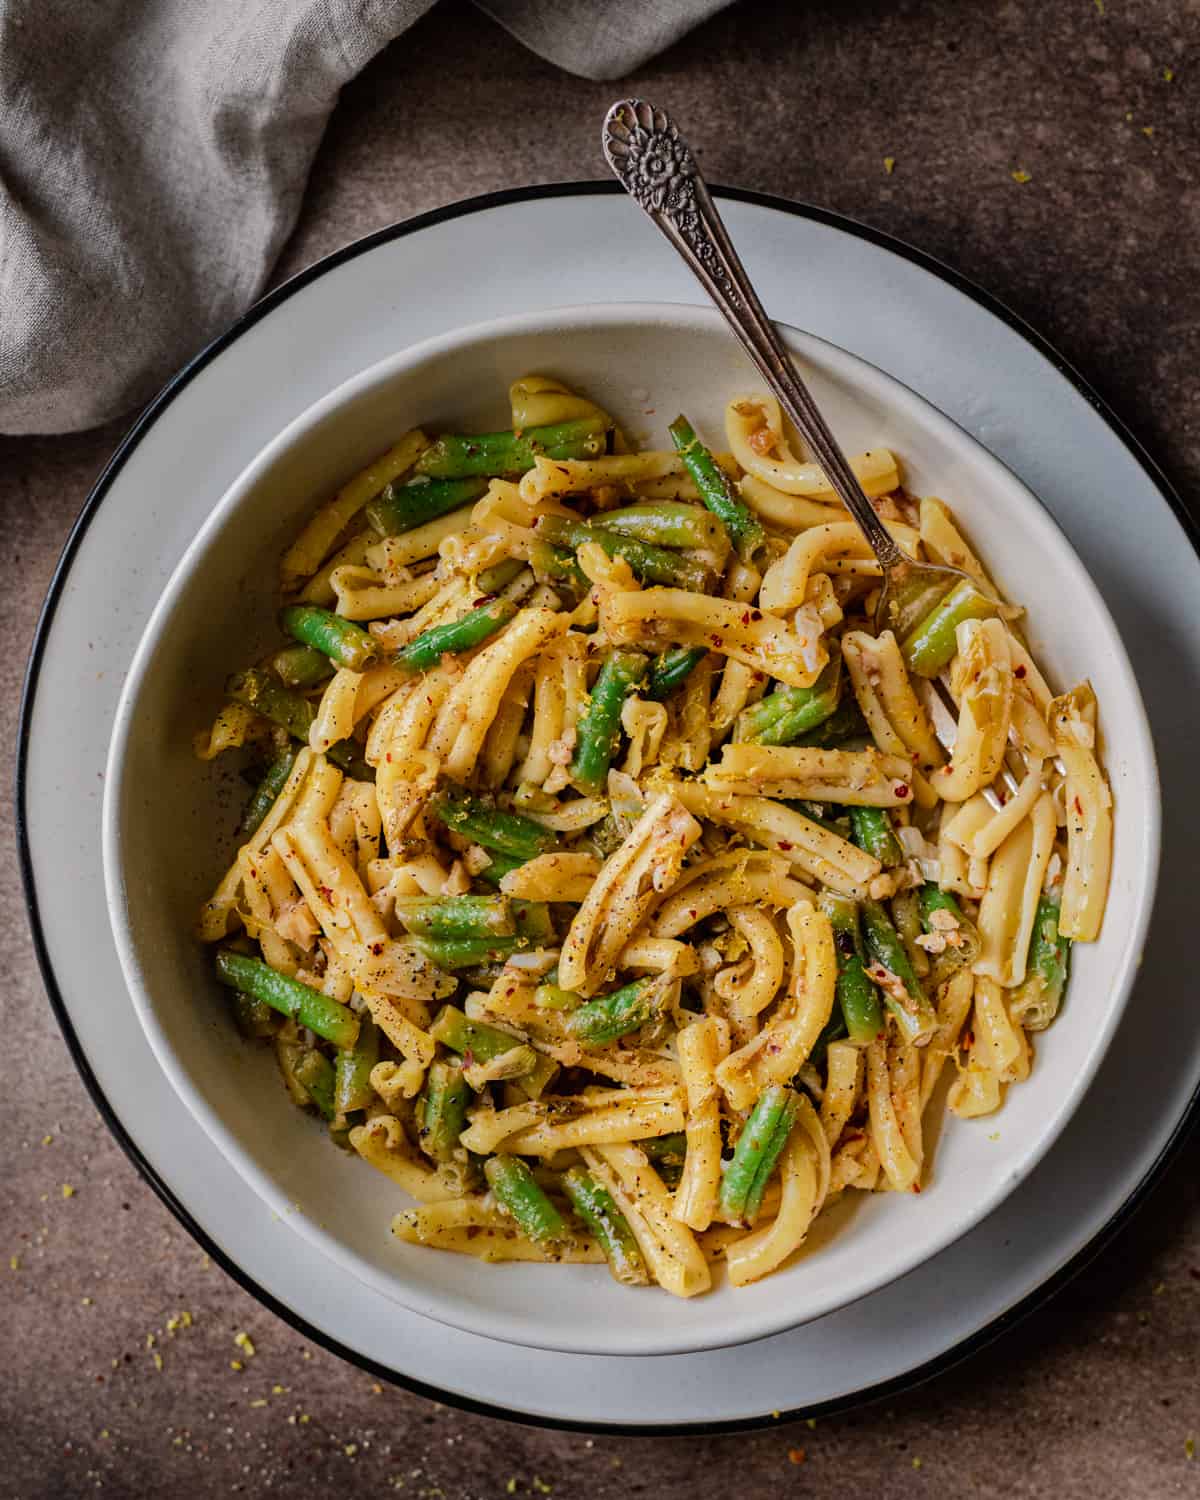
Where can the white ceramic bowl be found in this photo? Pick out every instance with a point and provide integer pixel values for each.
(168, 821)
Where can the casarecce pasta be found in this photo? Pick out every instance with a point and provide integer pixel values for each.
(609, 887)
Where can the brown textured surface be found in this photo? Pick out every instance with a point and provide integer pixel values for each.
(1094, 1396)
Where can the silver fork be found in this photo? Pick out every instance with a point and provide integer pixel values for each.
(655, 166)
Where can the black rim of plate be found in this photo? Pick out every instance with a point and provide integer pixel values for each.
(174, 387)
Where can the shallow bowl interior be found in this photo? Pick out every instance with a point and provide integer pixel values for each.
(169, 819)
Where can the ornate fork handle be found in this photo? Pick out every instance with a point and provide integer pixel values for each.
(656, 168)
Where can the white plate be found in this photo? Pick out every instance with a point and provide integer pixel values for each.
(156, 882)
(856, 289)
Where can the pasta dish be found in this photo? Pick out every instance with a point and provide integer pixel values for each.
(609, 884)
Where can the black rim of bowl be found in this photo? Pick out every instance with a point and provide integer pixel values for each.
(1038, 1297)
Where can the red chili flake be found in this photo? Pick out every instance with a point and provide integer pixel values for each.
(253, 874)
(746, 617)
(916, 1187)
(377, 949)
(389, 757)
(900, 790)
(796, 1455)
(326, 892)
(482, 600)
(1079, 807)
(785, 845)
(693, 913)
(1019, 670)
(715, 639)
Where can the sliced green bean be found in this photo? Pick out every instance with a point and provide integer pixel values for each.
(672, 669)
(651, 564)
(671, 1149)
(290, 997)
(499, 867)
(744, 528)
(595, 1206)
(667, 523)
(500, 574)
(844, 723)
(255, 1018)
(551, 996)
(788, 712)
(403, 507)
(758, 1149)
(460, 1034)
(599, 730)
(487, 454)
(468, 952)
(268, 792)
(1037, 998)
(507, 833)
(871, 830)
(858, 999)
(456, 916)
(258, 690)
(442, 1109)
(608, 1017)
(515, 1189)
(314, 1072)
(342, 641)
(913, 1013)
(532, 921)
(965, 950)
(454, 636)
(352, 1069)
(301, 666)
(932, 644)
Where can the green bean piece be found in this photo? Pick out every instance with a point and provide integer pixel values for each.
(500, 866)
(758, 1148)
(871, 829)
(667, 523)
(789, 712)
(551, 996)
(255, 1019)
(310, 1007)
(931, 898)
(608, 1017)
(913, 1013)
(858, 999)
(666, 1149)
(834, 1030)
(314, 1072)
(488, 454)
(933, 642)
(671, 670)
(267, 792)
(467, 952)
(342, 641)
(507, 833)
(301, 666)
(1037, 998)
(473, 1039)
(651, 564)
(352, 1069)
(532, 921)
(844, 723)
(744, 528)
(599, 729)
(454, 636)
(403, 507)
(500, 575)
(456, 916)
(258, 690)
(442, 1110)
(515, 1189)
(595, 1206)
